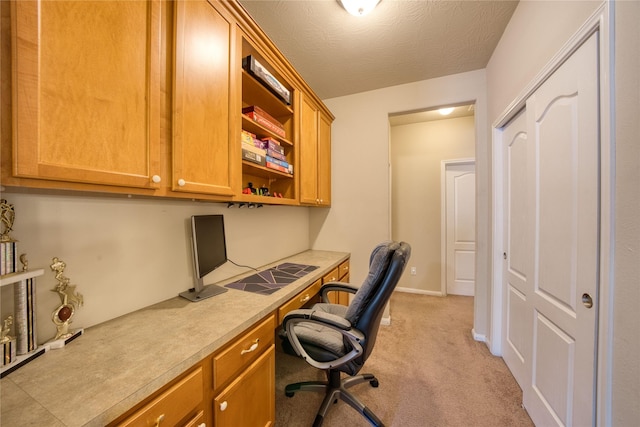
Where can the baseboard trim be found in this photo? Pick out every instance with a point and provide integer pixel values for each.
(478, 337)
(386, 321)
(419, 291)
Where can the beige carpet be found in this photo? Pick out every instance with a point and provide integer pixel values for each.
(431, 373)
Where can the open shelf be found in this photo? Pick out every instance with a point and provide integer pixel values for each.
(256, 128)
(257, 94)
(263, 171)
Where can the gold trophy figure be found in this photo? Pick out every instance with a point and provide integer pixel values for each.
(69, 298)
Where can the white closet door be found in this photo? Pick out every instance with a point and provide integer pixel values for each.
(563, 152)
(518, 250)
(461, 228)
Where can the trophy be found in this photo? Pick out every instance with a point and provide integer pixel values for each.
(8, 342)
(70, 300)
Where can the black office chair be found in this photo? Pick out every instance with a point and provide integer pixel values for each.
(338, 338)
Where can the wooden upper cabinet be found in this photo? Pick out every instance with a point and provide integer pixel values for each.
(324, 160)
(308, 117)
(204, 100)
(315, 154)
(86, 98)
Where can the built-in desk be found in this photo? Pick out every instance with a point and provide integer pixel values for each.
(118, 364)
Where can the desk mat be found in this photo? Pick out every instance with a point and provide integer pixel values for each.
(268, 281)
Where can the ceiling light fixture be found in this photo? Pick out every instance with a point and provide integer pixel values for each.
(446, 111)
(359, 7)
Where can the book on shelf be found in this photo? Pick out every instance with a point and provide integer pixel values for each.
(253, 157)
(255, 148)
(261, 117)
(272, 144)
(276, 154)
(247, 137)
(262, 75)
(282, 163)
(280, 168)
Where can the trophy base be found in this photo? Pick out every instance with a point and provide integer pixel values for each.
(59, 343)
(21, 360)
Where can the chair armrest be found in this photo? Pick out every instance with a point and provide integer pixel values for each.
(335, 286)
(337, 323)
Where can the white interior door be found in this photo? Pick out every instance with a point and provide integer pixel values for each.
(562, 150)
(518, 251)
(460, 210)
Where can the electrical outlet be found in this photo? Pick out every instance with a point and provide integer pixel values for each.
(413, 271)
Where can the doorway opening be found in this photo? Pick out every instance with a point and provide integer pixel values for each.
(420, 141)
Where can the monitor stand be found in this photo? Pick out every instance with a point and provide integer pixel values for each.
(207, 291)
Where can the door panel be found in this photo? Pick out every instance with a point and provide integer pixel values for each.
(563, 128)
(203, 98)
(518, 255)
(460, 207)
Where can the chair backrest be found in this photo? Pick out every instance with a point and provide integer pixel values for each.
(387, 263)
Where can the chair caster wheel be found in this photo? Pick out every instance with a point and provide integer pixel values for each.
(374, 383)
(289, 393)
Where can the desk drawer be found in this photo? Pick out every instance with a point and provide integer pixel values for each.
(343, 270)
(299, 300)
(331, 276)
(171, 406)
(243, 351)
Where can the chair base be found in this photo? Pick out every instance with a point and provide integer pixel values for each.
(335, 389)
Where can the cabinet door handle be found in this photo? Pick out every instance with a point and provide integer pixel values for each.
(156, 178)
(158, 420)
(223, 405)
(305, 298)
(253, 348)
(181, 182)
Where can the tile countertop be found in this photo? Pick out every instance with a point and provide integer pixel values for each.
(116, 364)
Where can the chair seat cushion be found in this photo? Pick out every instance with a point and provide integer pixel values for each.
(317, 338)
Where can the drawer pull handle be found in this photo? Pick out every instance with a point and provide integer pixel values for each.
(253, 348)
(159, 420)
(305, 298)
(223, 405)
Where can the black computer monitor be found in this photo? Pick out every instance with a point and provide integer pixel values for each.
(209, 251)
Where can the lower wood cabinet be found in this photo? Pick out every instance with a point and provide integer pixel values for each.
(250, 399)
(235, 385)
(340, 274)
(303, 298)
(171, 407)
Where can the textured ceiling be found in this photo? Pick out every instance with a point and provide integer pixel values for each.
(401, 41)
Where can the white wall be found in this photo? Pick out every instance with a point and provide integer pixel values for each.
(360, 214)
(417, 151)
(625, 395)
(535, 33)
(124, 254)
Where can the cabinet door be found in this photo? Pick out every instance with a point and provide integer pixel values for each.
(249, 401)
(308, 152)
(86, 91)
(203, 101)
(324, 160)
